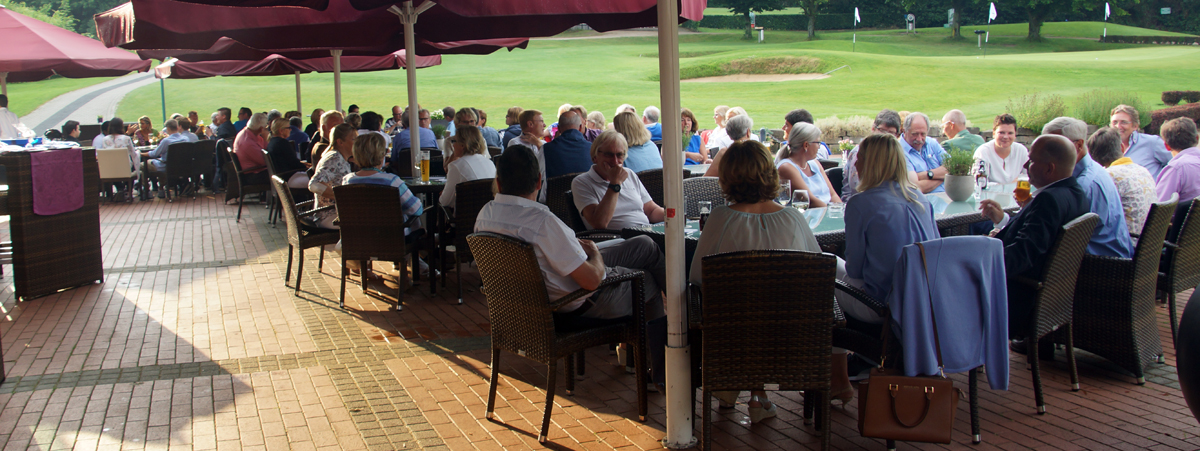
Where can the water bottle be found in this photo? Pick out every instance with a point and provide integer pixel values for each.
(981, 180)
(762, 135)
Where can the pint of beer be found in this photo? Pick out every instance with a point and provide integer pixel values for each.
(1021, 193)
(425, 170)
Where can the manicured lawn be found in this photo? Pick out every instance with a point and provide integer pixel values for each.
(925, 73)
(26, 97)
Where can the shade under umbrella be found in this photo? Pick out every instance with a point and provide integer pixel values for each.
(34, 50)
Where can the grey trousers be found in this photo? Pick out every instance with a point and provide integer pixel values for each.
(634, 254)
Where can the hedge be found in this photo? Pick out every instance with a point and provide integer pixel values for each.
(1160, 117)
(799, 22)
(1172, 98)
(1186, 40)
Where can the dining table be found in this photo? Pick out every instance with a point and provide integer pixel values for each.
(431, 191)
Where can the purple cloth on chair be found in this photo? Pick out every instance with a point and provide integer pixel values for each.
(57, 177)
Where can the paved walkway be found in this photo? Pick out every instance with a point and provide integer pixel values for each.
(194, 342)
(85, 104)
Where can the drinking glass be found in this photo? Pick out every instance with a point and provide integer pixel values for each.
(835, 209)
(785, 187)
(800, 199)
(705, 208)
(424, 167)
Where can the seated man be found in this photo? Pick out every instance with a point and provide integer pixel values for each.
(610, 196)
(923, 153)
(650, 117)
(1145, 150)
(568, 263)
(155, 161)
(1111, 238)
(570, 151)
(887, 121)
(425, 135)
(954, 128)
(1182, 174)
(1030, 234)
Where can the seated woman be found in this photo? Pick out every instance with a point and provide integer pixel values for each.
(142, 133)
(797, 162)
(283, 155)
(369, 151)
(115, 139)
(331, 171)
(752, 220)
(642, 153)
(1002, 157)
(469, 162)
(694, 153)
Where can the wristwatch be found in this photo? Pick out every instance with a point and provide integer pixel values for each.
(614, 187)
(929, 174)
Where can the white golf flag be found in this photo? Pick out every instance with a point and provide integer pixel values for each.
(992, 13)
(858, 19)
(1107, 11)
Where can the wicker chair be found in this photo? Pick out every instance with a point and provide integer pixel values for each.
(495, 151)
(697, 189)
(402, 164)
(470, 197)
(275, 212)
(372, 228)
(554, 187)
(782, 340)
(827, 164)
(205, 165)
(115, 168)
(1053, 298)
(1114, 300)
(581, 230)
(302, 233)
(179, 160)
(652, 179)
(1180, 267)
(836, 179)
(522, 318)
(243, 187)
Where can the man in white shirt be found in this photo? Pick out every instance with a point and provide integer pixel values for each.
(610, 196)
(10, 125)
(533, 127)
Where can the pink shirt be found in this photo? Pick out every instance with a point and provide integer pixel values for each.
(1180, 175)
(249, 146)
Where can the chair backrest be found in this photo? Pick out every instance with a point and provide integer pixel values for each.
(88, 132)
(205, 152)
(1185, 260)
(826, 164)
(576, 220)
(697, 189)
(791, 315)
(469, 199)
(1054, 305)
(1147, 253)
(402, 163)
(181, 157)
(495, 150)
(555, 186)
(290, 215)
(516, 295)
(652, 179)
(835, 179)
(114, 164)
(436, 168)
(371, 221)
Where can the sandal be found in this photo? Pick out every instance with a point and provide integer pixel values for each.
(760, 413)
(844, 395)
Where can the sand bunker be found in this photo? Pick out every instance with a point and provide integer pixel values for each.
(750, 77)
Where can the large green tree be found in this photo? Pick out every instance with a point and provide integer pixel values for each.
(745, 7)
(811, 9)
(1038, 11)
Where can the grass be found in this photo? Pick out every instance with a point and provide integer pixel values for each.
(23, 98)
(922, 73)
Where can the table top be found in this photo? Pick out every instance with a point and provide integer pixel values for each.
(697, 170)
(434, 185)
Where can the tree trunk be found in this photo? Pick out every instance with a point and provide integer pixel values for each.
(812, 26)
(957, 25)
(1035, 26)
(749, 26)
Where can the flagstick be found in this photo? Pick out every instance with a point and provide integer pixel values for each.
(987, 35)
(854, 41)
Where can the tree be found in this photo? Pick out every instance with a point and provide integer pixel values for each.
(1038, 11)
(745, 7)
(811, 9)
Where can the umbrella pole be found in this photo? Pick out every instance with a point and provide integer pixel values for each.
(162, 91)
(4, 83)
(298, 107)
(408, 17)
(337, 79)
(678, 360)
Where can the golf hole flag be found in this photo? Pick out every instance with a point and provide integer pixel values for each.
(991, 17)
(856, 21)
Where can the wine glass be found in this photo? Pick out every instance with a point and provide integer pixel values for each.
(785, 187)
(800, 199)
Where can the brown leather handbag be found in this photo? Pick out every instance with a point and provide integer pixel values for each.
(912, 409)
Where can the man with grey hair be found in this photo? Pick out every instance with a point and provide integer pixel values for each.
(923, 153)
(738, 129)
(570, 152)
(1030, 235)
(888, 122)
(650, 117)
(954, 128)
(1111, 238)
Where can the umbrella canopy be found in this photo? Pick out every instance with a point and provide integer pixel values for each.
(281, 65)
(228, 49)
(35, 50)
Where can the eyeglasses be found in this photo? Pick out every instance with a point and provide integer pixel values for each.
(424, 118)
(612, 155)
(1121, 122)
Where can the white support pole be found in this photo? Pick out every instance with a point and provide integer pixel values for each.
(337, 79)
(298, 107)
(678, 360)
(408, 17)
(4, 83)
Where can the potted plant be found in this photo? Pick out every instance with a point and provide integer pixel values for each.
(959, 183)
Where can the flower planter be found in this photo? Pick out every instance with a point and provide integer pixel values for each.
(959, 187)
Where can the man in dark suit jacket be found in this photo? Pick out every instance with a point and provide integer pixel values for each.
(1030, 234)
(570, 152)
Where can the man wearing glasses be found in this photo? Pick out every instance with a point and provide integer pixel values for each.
(402, 141)
(1148, 151)
(923, 153)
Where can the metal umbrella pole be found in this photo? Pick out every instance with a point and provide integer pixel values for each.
(337, 79)
(408, 17)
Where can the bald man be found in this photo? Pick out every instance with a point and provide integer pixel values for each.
(954, 128)
(1030, 234)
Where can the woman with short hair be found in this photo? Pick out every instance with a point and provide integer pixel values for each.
(751, 221)
(469, 162)
(283, 155)
(797, 162)
(642, 154)
(369, 151)
(1002, 157)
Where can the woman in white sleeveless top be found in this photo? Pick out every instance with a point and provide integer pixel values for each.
(797, 162)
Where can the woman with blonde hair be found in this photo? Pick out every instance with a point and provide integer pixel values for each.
(642, 153)
(469, 162)
(752, 220)
(797, 162)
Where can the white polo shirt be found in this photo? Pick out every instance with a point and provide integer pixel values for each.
(589, 188)
(558, 251)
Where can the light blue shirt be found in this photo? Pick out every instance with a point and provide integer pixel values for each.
(643, 157)
(159, 154)
(924, 160)
(1111, 238)
(1149, 152)
(401, 141)
(879, 223)
(817, 189)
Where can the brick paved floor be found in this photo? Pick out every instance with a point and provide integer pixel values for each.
(194, 342)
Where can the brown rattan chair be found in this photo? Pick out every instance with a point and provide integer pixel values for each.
(826, 164)
(698, 189)
(275, 212)
(652, 179)
(302, 233)
(523, 321)
(494, 151)
(576, 223)
(780, 341)
(205, 164)
(558, 204)
(1114, 300)
(1180, 266)
(243, 187)
(372, 225)
(469, 199)
(1053, 298)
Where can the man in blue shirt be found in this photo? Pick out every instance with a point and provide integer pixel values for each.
(156, 160)
(570, 152)
(650, 117)
(1148, 151)
(1111, 238)
(923, 153)
(401, 140)
(243, 117)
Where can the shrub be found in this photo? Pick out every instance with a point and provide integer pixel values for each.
(1095, 107)
(753, 65)
(959, 162)
(1191, 96)
(1035, 110)
(1160, 117)
(1172, 98)
(832, 127)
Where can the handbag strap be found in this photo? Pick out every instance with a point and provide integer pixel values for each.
(937, 344)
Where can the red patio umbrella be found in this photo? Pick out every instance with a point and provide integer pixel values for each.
(34, 50)
(230, 49)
